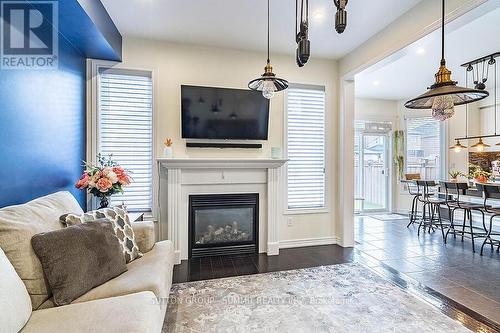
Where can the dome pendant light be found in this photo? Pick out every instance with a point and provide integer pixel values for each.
(268, 83)
(458, 147)
(480, 145)
(444, 94)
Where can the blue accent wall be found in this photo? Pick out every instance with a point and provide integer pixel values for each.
(42, 129)
(43, 112)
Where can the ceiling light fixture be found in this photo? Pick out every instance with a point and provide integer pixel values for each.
(420, 50)
(319, 15)
(458, 147)
(480, 145)
(486, 61)
(301, 36)
(341, 15)
(444, 94)
(268, 83)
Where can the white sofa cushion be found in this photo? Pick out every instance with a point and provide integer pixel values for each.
(19, 223)
(125, 314)
(15, 302)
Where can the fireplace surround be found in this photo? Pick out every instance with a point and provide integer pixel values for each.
(180, 178)
(223, 224)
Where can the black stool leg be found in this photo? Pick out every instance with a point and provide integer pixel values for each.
(463, 225)
(441, 223)
(422, 221)
(413, 208)
(488, 236)
(433, 218)
(452, 226)
(471, 231)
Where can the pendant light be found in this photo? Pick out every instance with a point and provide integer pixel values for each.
(480, 145)
(444, 94)
(268, 83)
(458, 146)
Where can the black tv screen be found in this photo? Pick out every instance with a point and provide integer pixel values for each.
(218, 113)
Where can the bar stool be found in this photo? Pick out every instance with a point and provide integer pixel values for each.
(413, 190)
(490, 192)
(431, 203)
(467, 207)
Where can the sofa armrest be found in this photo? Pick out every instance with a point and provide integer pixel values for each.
(144, 235)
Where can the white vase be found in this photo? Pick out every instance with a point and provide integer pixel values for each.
(167, 152)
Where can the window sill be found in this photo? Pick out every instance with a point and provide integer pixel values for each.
(306, 211)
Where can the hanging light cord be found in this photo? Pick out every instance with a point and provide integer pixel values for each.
(442, 36)
(495, 94)
(467, 105)
(268, 61)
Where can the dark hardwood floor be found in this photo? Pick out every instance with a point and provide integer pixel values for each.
(226, 266)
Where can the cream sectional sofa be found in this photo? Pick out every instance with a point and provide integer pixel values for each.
(135, 301)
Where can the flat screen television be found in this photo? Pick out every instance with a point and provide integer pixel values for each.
(223, 114)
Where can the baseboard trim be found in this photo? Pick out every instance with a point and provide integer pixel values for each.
(291, 243)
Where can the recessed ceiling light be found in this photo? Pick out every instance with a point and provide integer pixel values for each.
(376, 83)
(318, 15)
(420, 50)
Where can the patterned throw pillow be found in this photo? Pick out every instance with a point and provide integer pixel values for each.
(121, 224)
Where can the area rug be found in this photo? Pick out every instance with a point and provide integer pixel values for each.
(338, 298)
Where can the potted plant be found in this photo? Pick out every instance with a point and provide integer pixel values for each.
(398, 149)
(478, 174)
(454, 174)
(103, 179)
(167, 151)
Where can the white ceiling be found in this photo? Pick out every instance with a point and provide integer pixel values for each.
(241, 24)
(410, 71)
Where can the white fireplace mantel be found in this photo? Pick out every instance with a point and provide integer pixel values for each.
(185, 176)
(221, 163)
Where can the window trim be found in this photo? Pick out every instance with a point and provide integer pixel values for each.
(326, 209)
(443, 151)
(93, 68)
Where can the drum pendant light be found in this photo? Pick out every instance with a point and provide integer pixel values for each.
(268, 83)
(444, 94)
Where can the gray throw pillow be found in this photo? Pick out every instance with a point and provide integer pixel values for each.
(118, 216)
(79, 258)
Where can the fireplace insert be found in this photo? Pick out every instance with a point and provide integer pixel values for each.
(223, 224)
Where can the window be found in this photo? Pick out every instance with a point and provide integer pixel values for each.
(125, 129)
(306, 147)
(423, 147)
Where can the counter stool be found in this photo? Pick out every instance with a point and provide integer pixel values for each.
(413, 189)
(467, 208)
(431, 205)
(489, 192)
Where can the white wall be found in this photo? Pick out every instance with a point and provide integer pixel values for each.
(372, 109)
(177, 64)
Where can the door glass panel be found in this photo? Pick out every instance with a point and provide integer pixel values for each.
(375, 172)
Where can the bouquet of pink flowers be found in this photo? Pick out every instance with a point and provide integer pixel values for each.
(103, 179)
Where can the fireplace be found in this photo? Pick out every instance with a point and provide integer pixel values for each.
(223, 224)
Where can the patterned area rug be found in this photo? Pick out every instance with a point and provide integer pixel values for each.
(338, 298)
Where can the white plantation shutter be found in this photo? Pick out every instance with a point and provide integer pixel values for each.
(306, 147)
(126, 131)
